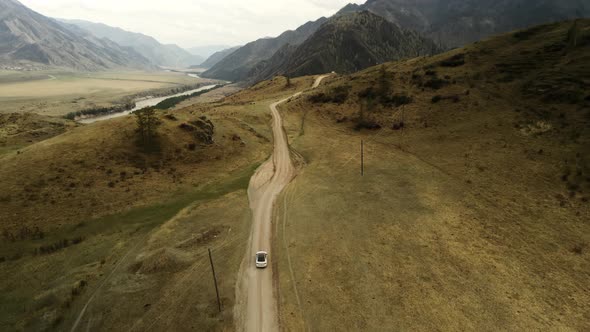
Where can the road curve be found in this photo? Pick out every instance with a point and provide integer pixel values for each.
(256, 308)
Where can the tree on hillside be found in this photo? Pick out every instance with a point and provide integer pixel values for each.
(288, 82)
(572, 35)
(147, 124)
(384, 84)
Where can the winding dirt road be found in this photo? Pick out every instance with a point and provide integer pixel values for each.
(256, 304)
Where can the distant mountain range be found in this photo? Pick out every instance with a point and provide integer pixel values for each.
(448, 23)
(354, 38)
(158, 54)
(29, 38)
(238, 65)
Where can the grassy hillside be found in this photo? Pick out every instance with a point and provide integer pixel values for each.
(89, 215)
(19, 130)
(473, 211)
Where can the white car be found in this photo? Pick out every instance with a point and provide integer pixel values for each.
(261, 259)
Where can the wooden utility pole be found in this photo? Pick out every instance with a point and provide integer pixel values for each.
(214, 279)
(362, 158)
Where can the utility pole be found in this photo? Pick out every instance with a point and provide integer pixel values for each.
(362, 158)
(214, 279)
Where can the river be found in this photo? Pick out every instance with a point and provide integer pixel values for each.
(143, 103)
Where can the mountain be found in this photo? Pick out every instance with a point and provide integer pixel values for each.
(346, 44)
(157, 53)
(237, 66)
(29, 38)
(218, 56)
(207, 50)
(455, 23)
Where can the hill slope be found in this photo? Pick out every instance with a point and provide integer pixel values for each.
(27, 37)
(345, 44)
(458, 22)
(237, 66)
(473, 208)
(157, 53)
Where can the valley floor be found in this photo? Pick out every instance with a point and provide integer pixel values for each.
(58, 93)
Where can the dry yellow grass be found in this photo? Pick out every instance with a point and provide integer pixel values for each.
(463, 220)
(144, 221)
(93, 183)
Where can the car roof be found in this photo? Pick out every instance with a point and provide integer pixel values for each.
(261, 252)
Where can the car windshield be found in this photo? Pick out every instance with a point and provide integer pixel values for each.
(261, 257)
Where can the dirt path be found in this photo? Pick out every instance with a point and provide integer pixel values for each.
(256, 305)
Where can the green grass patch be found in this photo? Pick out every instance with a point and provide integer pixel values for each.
(137, 220)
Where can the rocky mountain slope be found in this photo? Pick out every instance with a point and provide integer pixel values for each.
(159, 54)
(237, 66)
(455, 23)
(218, 56)
(345, 44)
(28, 38)
(449, 24)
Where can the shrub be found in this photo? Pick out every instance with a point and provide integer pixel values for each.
(435, 83)
(397, 100)
(438, 98)
(578, 249)
(398, 125)
(368, 93)
(170, 117)
(56, 246)
(337, 95)
(454, 61)
(367, 124)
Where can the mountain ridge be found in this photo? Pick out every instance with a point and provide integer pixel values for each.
(29, 38)
(346, 43)
(237, 65)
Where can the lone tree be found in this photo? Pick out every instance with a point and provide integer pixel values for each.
(288, 82)
(147, 124)
(573, 34)
(384, 84)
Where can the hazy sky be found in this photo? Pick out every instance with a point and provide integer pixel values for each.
(191, 23)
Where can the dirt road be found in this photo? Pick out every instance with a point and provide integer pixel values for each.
(256, 308)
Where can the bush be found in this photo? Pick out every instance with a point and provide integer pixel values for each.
(454, 61)
(435, 83)
(438, 98)
(398, 125)
(338, 95)
(397, 100)
(61, 244)
(368, 93)
(367, 124)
